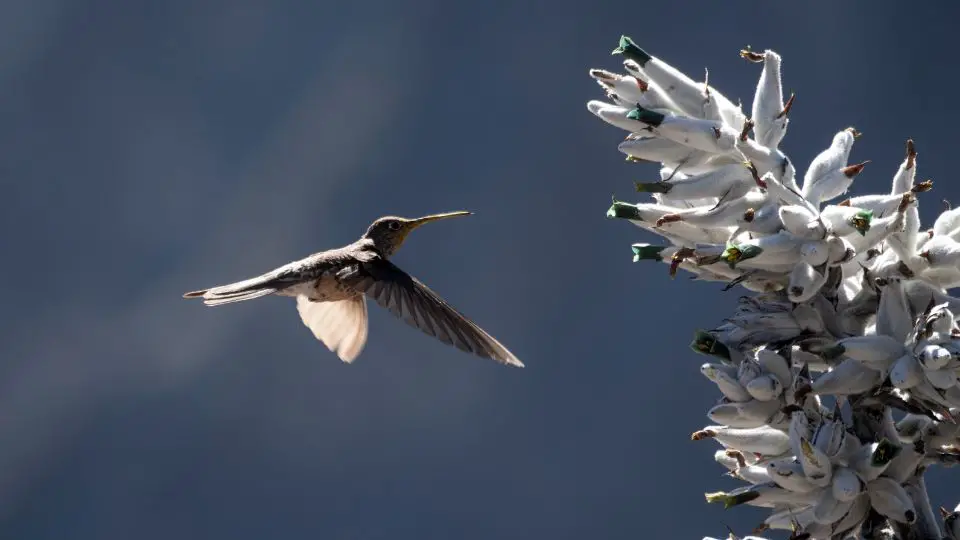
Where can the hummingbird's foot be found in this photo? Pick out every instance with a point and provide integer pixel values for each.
(844, 203)
(749, 215)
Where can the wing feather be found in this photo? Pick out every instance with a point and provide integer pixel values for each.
(341, 326)
(413, 302)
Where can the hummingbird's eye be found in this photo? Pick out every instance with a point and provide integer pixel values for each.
(393, 225)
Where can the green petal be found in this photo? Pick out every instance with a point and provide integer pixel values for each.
(623, 210)
(630, 50)
(646, 116)
(647, 252)
(705, 343)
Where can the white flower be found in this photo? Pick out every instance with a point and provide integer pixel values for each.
(852, 304)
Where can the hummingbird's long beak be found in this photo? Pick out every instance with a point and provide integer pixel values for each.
(414, 223)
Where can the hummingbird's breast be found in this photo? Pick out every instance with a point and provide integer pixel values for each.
(330, 289)
(326, 288)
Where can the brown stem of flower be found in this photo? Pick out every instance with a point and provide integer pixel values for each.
(905, 202)
(751, 56)
(678, 258)
(703, 434)
(756, 174)
(737, 455)
(802, 392)
(790, 409)
(747, 126)
(922, 187)
(604, 75)
(911, 154)
(669, 218)
(905, 270)
(853, 170)
(787, 106)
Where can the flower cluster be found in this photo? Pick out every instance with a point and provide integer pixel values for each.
(839, 379)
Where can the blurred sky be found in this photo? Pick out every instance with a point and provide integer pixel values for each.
(150, 148)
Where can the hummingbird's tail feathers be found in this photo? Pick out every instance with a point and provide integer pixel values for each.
(247, 289)
(236, 297)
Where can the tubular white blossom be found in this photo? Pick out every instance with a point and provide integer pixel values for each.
(852, 304)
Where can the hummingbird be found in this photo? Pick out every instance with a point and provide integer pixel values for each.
(332, 288)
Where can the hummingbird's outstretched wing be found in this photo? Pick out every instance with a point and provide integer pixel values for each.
(341, 326)
(413, 302)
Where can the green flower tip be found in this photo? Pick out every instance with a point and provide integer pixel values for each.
(730, 501)
(647, 252)
(750, 252)
(736, 253)
(622, 210)
(705, 343)
(832, 353)
(630, 50)
(861, 221)
(884, 453)
(646, 116)
(652, 187)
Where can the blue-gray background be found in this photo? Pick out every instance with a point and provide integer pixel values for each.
(149, 148)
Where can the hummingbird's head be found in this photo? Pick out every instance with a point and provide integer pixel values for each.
(389, 232)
